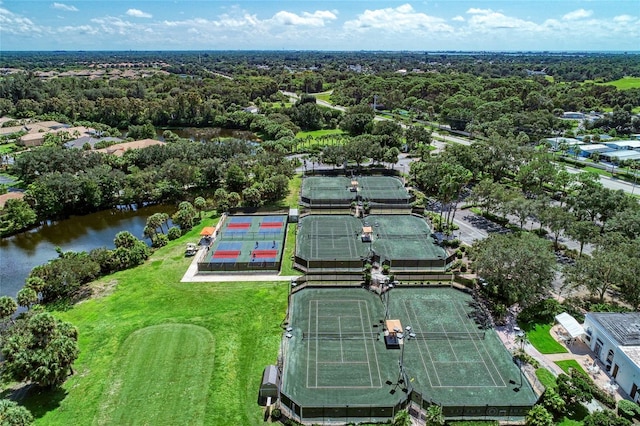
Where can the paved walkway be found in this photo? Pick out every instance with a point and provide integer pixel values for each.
(577, 351)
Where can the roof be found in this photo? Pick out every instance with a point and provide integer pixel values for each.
(624, 144)
(570, 324)
(627, 154)
(367, 229)
(119, 149)
(394, 326)
(10, 196)
(623, 327)
(270, 375)
(633, 352)
(208, 230)
(594, 147)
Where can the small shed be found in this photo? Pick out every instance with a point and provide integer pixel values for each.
(269, 388)
(207, 231)
(294, 214)
(367, 233)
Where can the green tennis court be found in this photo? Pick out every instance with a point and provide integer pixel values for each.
(330, 237)
(337, 356)
(340, 190)
(404, 240)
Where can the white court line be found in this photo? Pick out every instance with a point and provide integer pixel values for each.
(366, 346)
(317, 344)
(343, 362)
(375, 352)
(426, 347)
(310, 342)
(485, 350)
(340, 332)
(449, 341)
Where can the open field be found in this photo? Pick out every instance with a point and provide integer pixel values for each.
(154, 365)
(625, 83)
(318, 133)
(242, 317)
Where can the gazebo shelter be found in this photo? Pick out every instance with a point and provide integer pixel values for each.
(207, 231)
(571, 326)
(367, 232)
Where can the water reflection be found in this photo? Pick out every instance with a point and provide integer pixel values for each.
(20, 253)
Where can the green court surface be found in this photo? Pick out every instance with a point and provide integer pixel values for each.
(395, 237)
(403, 237)
(382, 189)
(337, 355)
(338, 189)
(330, 237)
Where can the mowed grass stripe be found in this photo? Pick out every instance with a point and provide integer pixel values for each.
(160, 376)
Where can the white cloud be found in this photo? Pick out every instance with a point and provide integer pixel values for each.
(624, 18)
(137, 13)
(11, 23)
(486, 20)
(399, 19)
(315, 19)
(65, 7)
(577, 14)
(458, 18)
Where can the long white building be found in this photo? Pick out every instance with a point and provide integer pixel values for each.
(615, 340)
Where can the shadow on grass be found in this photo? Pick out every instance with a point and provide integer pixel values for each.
(36, 399)
(576, 412)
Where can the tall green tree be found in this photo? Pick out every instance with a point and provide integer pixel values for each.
(538, 416)
(41, 349)
(518, 267)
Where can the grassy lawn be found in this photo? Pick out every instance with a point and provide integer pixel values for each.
(625, 83)
(8, 148)
(161, 376)
(243, 319)
(289, 252)
(324, 96)
(318, 133)
(540, 337)
(546, 377)
(570, 363)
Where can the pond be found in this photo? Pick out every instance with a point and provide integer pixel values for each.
(22, 252)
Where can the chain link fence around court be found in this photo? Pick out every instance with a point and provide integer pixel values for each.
(340, 414)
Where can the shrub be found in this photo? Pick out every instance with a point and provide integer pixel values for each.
(174, 233)
(160, 240)
(628, 409)
(276, 414)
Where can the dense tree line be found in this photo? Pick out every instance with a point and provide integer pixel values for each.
(294, 66)
(61, 181)
(507, 177)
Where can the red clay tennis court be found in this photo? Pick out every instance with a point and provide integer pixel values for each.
(262, 254)
(239, 225)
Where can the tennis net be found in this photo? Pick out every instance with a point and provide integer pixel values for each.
(365, 335)
(418, 336)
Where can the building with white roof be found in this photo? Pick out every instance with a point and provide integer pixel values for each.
(591, 148)
(615, 340)
(620, 155)
(630, 144)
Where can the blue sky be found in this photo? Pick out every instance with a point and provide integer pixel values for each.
(588, 25)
